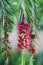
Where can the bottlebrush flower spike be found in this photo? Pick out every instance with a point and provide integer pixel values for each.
(24, 38)
(32, 48)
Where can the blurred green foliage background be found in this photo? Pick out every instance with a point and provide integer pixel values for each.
(9, 11)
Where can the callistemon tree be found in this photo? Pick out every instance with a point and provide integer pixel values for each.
(24, 15)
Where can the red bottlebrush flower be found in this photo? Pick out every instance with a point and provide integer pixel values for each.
(34, 51)
(19, 45)
(27, 33)
(20, 41)
(26, 41)
(20, 38)
(26, 45)
(20, 28)
(27, 37)
(32, 36)
(23, 46)
(27, 26)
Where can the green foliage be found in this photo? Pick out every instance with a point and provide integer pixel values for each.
(6, 61)
(12, 9)
(19, 58)
(38, 58)
(2, 60)
(32, 11)
(16, 59)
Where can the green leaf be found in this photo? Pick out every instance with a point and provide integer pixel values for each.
(6, 61)
(2, 60)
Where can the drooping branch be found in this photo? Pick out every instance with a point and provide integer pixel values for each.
(5, 40)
